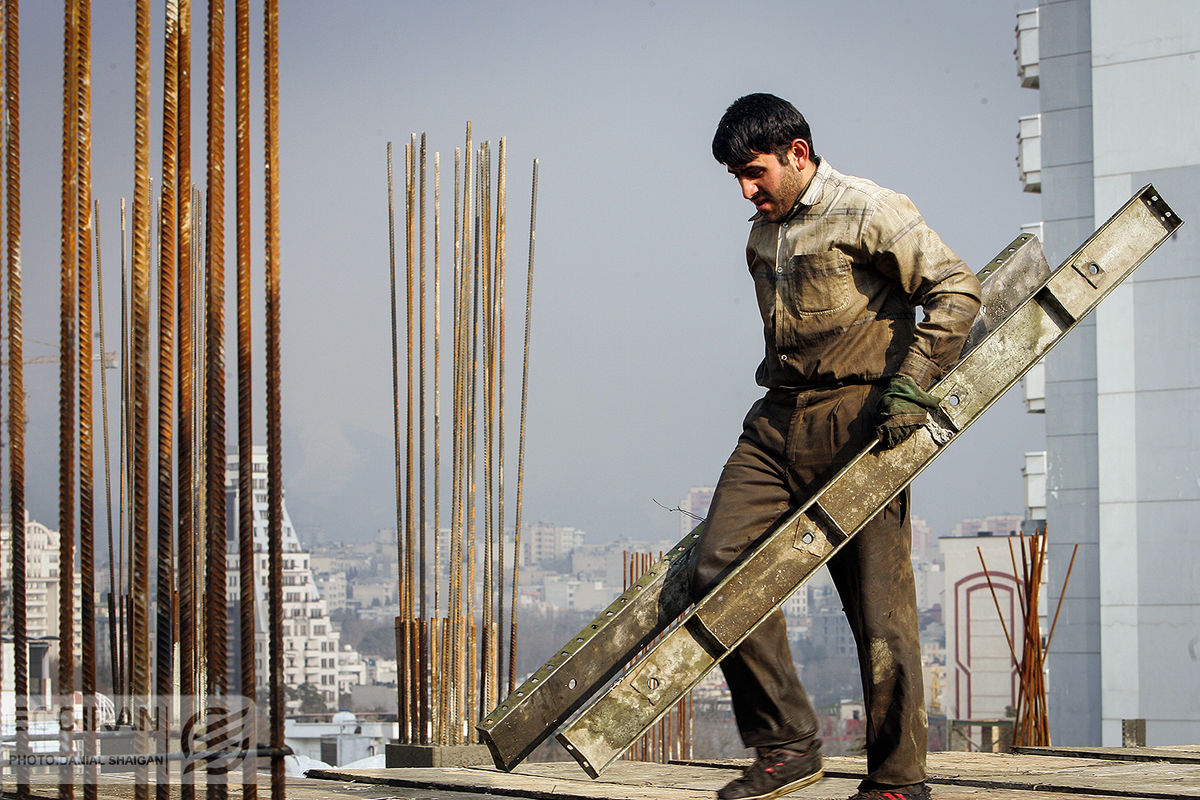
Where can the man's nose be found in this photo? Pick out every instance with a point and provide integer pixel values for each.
(749, 187)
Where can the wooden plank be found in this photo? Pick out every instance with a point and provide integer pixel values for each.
(527, 782)
(1179, 754)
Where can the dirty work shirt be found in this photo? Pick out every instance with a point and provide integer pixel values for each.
(838, 282)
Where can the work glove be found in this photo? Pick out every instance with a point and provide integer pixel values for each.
(902, 410)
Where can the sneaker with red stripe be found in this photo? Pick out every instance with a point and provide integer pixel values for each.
(776, 773)
(919, 791)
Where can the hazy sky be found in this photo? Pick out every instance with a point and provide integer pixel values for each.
(645, 331)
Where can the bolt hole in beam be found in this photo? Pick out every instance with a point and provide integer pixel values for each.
(953, 399)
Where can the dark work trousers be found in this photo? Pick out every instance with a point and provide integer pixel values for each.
(791, 444)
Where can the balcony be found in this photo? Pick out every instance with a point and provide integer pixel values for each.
(1027, 48)
(1029, 152)
(1033, 389)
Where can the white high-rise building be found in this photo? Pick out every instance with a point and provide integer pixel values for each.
(545, 542)
(311, 643)
(41, 590)
(694, 507)
(1119, 99)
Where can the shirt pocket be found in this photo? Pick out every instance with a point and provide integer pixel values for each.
(816, 283)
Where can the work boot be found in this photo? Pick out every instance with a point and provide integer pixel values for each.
(918, 791)
(775, 773)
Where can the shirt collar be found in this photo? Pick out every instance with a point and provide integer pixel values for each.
(816, 187)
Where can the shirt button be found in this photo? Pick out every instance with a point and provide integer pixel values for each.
(785, 225)
(783, 358)
(779, 270)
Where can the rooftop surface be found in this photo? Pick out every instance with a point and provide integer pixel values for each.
(1044, 774)
(1164, 773)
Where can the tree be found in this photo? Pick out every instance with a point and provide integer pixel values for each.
(309, 697)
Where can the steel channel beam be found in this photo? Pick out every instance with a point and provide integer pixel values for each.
(582, 666)
(788, 557)
(591, 659)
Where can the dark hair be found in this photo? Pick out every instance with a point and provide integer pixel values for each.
(758, 123)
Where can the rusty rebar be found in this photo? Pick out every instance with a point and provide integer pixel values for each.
(165, 632)
(501, 245)
(423, 653)
(3, 115)
(454, 566)
(472, 456)
(67, 358)
(437, 695)
(114, 650)
(215, 618)
(486, 341)
(437, 384)
(200, 451)
(467, 220)
(1031, 727)
(401, 682)
(185, 411)
(87, 558)
(408, 584)
(512, 644)
(246, 560)
(462, 642)
(1000, 614)
(140, 380)
(274, 431)
(125, 470)
(453, 571)
(1062, 594)
(16, 385)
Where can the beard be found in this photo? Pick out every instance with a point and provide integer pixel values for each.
(791, 185)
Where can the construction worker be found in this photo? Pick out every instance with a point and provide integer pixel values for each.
(840, 268)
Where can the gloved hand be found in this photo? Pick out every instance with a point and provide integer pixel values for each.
(902, 410)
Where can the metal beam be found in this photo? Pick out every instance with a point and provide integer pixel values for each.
(787, 558)
(1023, 315)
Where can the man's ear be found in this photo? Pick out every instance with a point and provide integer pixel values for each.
(799, 151)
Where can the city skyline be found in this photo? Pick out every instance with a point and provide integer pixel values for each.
(643, 344)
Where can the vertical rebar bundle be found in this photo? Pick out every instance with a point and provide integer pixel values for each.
(451, 666)
(187, 558)
(1032, 725)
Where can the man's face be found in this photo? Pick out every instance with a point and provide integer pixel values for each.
(771, 185)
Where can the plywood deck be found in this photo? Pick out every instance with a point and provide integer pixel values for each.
(1097, 773)
(1059, 774)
